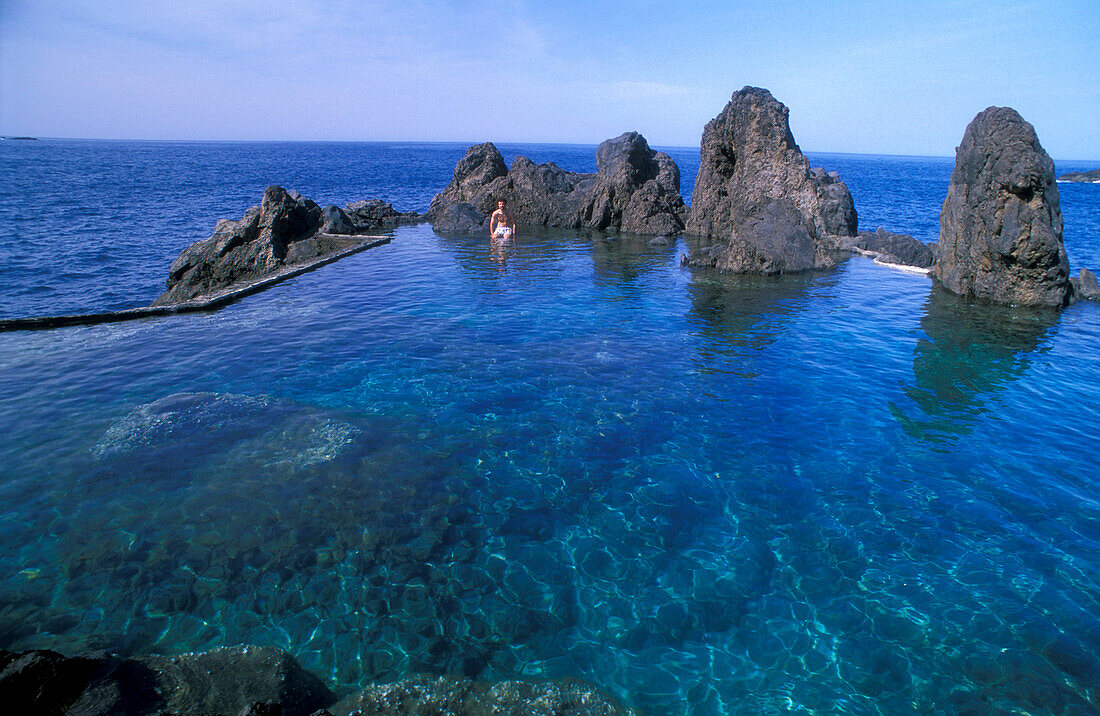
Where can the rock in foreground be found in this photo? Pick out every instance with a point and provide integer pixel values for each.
(284, 231)
(454, 696)
(1001, 223)
(756, 191)
(635, 189)
(220, 681)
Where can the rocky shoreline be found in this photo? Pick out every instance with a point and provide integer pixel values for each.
(263, 681)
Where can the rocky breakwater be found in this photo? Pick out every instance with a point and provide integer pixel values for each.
(285, 232)
(758, 195)
(262, 681)
(1001, 224)
(635, 189)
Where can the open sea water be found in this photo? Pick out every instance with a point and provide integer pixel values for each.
(836, 492)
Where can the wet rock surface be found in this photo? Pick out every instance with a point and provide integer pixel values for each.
(1001, 223)
(1085, 286)
(891, 248)
(454, 696)
(229, 681)
(264, 681)
(286, 230)
(756, 191)
(634, 189)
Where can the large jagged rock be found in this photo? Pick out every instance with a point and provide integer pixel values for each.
(756, 191)
(634, 189)
(457, 696)
(1001, 223)
(286, 230)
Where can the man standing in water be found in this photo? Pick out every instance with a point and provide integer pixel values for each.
(502, 225)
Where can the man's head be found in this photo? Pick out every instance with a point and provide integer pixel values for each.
(501, 203)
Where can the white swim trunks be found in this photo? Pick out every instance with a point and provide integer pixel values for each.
(502, 232)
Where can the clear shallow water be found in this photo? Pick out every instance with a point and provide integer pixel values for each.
(837, 492)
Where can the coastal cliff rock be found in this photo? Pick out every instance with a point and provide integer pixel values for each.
(1089, 177)
(1001, 223)
(634, 189)
(1085, 286)
(756, 190)
(287, 229)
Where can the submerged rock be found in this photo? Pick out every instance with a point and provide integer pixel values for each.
(1001, 223)
(456, 696)
(221, 681)
(756, 191)
(635, 189)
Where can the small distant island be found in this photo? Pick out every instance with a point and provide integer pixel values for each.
(24, 139)
(1092, 177)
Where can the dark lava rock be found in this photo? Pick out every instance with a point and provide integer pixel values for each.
(373, 214)
(453, 696)
(261, 681)
(892, 248)
(459, 219)
(754, 178)
(1001, 223)
(635, 189)
(286, 230)
(1085, 286)
(775, 240)
(1090, 176)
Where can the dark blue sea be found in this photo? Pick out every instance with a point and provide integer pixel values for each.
(837, 492)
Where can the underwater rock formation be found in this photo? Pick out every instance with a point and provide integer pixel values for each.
(634, 189)
(286, 230)
(1001, 223)
(253, 680)
(756, 191)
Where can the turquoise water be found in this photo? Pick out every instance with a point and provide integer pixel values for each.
(843, 492)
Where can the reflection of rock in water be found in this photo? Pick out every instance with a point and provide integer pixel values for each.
(620, 259)
(739, 314)
(971, 350)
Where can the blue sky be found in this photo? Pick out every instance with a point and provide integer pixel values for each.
(875, 77)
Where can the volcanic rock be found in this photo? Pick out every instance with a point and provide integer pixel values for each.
(891, 248)
(635, 189)
(459, 219)
(1085, 286)
(1090, 177)
(1001, 223)
(756, 190)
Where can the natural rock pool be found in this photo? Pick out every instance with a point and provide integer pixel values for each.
(827, 492)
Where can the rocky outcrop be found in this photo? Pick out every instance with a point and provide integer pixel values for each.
(756, 190)
(888, 247)
(225, 681)
(286, 230)
(634, 189)
(1001, 223)
(1085, 286)
(263, 681)
(1090, 177)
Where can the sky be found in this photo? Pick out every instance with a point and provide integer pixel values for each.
(864, 77)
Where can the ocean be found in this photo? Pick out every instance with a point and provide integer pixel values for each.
(835, 492)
